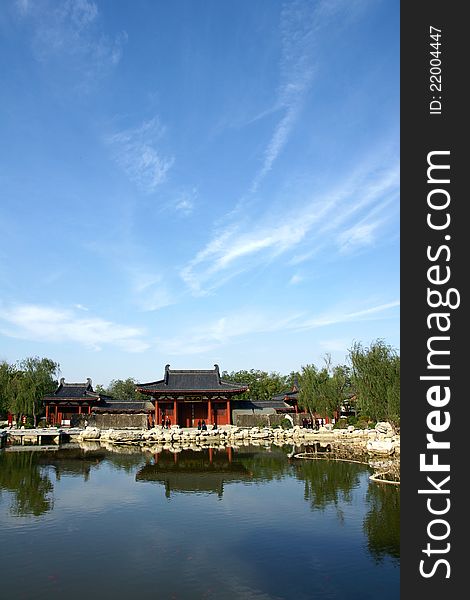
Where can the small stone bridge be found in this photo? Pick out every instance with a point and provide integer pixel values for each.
(50, 435)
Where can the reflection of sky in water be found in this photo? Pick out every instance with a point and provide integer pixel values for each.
(261, 539)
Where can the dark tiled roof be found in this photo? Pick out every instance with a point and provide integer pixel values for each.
(191, 380)
(273, 403)
(119, 406)
(289, 395)
(260, 404)
(73, 391)
(243, 404)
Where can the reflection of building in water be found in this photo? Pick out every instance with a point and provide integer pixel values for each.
(186, 471)
(71, 461)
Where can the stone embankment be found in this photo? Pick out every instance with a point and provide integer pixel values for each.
(380, 441)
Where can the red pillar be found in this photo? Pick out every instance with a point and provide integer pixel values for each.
(79, 409)
(209, 411)
(89, 409)
(47, 413)
(229, 413)
(175, 412)
(157, 418)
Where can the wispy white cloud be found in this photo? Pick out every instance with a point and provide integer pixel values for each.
(185, 202)
(71, 30)
(80, 307)
(341, 316)
(244, 244)
(295, 279)
(359, 235)
(334, 344)
(342, 219)
(136, 152)
(296, 75)
(301, 28)
(23, 6)
(228, 328)
(149, 290)
(58, 325)
(225, 330)
(184, 206)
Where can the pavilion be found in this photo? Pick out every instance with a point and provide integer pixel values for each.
(70, 399)
(186, 397)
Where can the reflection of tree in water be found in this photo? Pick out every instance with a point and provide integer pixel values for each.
(382, 523)
(263, 465)
(31, 487)
(26, 474)
(327, 482)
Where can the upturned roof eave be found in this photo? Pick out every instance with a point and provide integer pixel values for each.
(149, 390)
(71, 398)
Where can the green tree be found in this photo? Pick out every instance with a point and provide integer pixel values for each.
(323, 390)
(376, 380)
(261, 384)
(121, 389)
(292, 379)
(6, 373)
(24, 385)
(33, 378)
(314, 389)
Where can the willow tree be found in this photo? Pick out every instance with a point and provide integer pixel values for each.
(376, 380)
(32, 379)
(323, 390)
(6, 373)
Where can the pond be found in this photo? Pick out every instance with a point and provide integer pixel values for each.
(232, 523)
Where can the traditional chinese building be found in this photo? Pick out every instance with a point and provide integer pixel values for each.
(188, 396)
(287, 401)
(70, 399)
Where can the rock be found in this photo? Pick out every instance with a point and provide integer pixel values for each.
(125, 436)
(380, 447)
(90, 433)
(385, 428)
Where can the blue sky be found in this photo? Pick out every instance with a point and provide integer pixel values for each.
(197, 182)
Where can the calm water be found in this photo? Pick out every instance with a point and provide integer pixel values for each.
(245, 523)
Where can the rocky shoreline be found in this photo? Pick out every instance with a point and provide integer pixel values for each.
(382, 441)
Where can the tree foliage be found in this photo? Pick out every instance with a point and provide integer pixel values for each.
(24, 385)
(323, 390)
(376, 379)
(121, 389)
(6, 373)
(261, 384)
